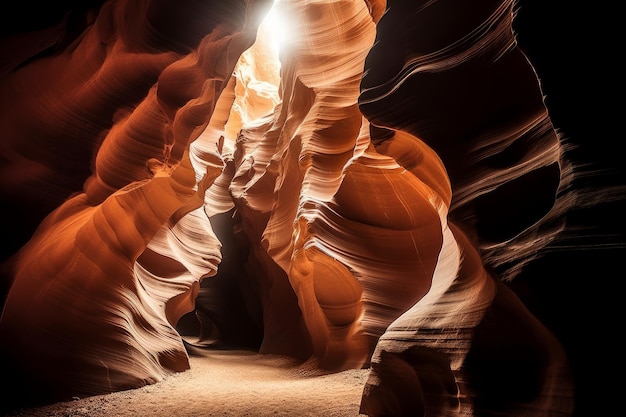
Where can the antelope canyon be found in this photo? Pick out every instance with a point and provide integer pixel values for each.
(402, 189)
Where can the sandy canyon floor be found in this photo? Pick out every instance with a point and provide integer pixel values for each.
(227, 383)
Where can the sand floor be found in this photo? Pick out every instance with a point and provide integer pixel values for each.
(227, 383)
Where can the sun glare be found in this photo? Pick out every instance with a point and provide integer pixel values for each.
(276, 27)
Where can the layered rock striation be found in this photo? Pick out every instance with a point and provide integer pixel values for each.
(358, 196)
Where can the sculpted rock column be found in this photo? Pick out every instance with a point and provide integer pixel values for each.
(97, 291)
(450, 74)
(349, 238)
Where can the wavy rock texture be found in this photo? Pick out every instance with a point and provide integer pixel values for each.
(475, 101)
(109, 273)
(362, 197)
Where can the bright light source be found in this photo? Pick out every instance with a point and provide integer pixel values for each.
(276, 27)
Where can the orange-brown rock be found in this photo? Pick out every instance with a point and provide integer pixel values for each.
(366, 193)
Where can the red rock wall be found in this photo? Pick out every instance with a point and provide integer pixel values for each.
(361, 202)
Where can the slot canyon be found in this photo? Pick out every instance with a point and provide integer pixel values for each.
(406, 188)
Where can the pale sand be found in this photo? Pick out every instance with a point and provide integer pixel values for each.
(228, 383)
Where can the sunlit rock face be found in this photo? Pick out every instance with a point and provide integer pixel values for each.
(357, 198)
(98, 289)
(303, 182)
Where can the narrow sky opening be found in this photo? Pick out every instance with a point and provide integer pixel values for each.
(276, 26)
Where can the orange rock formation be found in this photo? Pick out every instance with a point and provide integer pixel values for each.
(330, 200)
